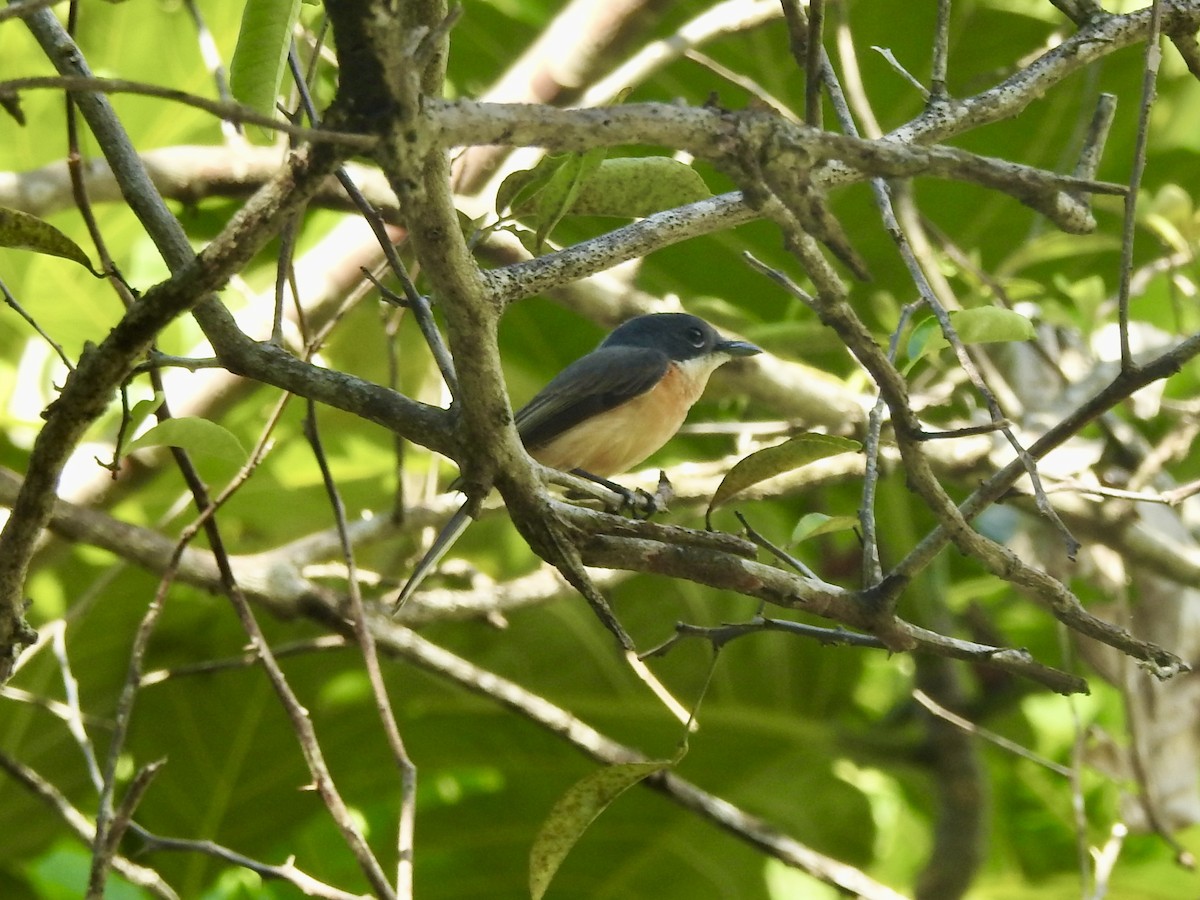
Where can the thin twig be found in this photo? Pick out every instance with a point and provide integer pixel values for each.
(1096, 137)
(232, 112)
(417, 302)
(720, 635)
(123, 815)
(872, 571)
(749, 85)
(287, 872)
(979, 731)
(75, 719)
(303, 727)
(855, 96)
(426, 655)
(775, 550)
(216, 68)
(883, 201)
(941, 53)
(897, 67)
(110, 822)
(12, 303)
(285, 274)
(1078, 750)
(246, 660)
(45, 791)
(56, 708)
(366, 640)
(967, 364)
(814, 59)
(954, 525)
(106, 816)
(1078, 11)
(1151, 60)
(301, 723)
(1106, 860)
(103, 845)
(20, 8)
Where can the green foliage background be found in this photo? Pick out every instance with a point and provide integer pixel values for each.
(824, 743)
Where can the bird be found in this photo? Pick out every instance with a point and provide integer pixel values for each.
(612, 408)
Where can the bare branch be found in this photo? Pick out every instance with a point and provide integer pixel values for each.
(137, 874)
(224, 109)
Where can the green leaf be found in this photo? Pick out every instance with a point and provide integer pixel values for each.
(636, 186)
(792, 454)
(1054, 246)
(143, 408)
(991, 325)
(574, 812)
(528, 240)
(558, 197)
(519, 188)
(1171, 202)
(818, 523)
(21, 231)
(259, 60)
(541, 196)
(1086, 295)
(590, 185)
(195, 435)
(984, 325)
(922, 334)
(138, 414)
(1169, 215)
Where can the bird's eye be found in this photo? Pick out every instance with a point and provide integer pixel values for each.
(696, 337)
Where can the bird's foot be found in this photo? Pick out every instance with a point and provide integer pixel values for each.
(641, 504)
(638, 503)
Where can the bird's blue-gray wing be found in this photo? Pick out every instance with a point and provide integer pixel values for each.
(596, 383)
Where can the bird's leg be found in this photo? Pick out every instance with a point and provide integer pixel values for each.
(629, 499)
(641, 504)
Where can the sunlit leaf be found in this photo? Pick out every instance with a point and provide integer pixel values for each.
(1053, 246)
(637, 186)
(786, 457)
(1086, 294)
(1166, 230)
(983, 325)
(543, 195)
(260, 58)
(588, 184)
(574, 812)
(518, 188)
(921, 336)
(816, 523)
(21, 231)
(560, 193)
(991, 325)
(193, 434)
(138, 414)
(11, 104)
(1172, 202)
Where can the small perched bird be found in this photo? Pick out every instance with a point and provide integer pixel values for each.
(611, 409)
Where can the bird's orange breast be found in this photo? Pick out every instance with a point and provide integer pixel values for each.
(617, 440)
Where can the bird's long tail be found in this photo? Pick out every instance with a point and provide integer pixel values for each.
(450, 533)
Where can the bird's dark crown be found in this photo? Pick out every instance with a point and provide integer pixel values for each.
(680, 335)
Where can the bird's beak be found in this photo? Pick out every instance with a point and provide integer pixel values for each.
(737, 348)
